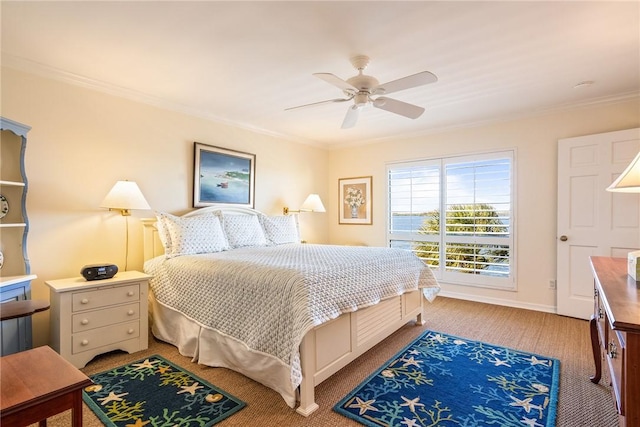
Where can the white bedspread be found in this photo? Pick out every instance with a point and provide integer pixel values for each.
(268, 298)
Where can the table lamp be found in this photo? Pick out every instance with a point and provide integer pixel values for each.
(629, 182)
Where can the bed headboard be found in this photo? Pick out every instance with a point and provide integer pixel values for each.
(152, 245)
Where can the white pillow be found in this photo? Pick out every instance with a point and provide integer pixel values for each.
(197, 234)
(243, 230)
(163, 232)
(281, 229)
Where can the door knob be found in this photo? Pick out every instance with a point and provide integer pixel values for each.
(563, 238)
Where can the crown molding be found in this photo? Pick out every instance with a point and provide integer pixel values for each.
(53, 73)
(46, 71)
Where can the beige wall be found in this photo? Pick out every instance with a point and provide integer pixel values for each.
(83, 141)
(535, 143)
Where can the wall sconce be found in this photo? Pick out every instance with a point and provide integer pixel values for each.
(311, 204)
(124, 196)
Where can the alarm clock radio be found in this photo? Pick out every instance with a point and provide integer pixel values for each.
(99, 271)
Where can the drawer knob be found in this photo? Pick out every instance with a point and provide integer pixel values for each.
(85, 321)
(130, 331)
(130, 312)
(130, 293)
(613, 350)
(84, 301)
(85, 342)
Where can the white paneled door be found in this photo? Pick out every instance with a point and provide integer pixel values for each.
(591, 220)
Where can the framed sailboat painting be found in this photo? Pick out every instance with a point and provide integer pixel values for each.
(222, 176)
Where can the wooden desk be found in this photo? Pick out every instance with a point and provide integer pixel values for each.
(36, 384)
(615, 334)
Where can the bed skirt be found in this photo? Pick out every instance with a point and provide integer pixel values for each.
(211, 348)
(323, 351)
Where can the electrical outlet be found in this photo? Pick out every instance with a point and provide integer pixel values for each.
(552, 283)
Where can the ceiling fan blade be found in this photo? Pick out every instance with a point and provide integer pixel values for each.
(351, 118)
(398, 107)
(408, 82)
(337, 81)
(313, 104)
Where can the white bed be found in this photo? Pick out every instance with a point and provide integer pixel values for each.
(315, 318)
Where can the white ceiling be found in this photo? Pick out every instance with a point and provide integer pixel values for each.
(245, 62)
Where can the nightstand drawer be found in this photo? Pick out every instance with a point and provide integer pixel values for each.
(97, 319)
(94, 338)
(105, 296)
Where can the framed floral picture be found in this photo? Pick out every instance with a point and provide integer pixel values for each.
(355, 200)
(222, 176)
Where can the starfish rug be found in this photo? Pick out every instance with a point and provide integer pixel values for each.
(443, 380)
(155, 392)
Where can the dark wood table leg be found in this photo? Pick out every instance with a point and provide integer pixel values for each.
(43, 423)
(76, 411)
(595, 347)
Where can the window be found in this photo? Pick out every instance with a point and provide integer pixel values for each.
(456, 214)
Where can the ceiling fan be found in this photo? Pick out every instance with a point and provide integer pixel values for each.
(362, 89)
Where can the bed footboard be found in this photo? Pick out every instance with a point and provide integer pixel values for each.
(331, 346)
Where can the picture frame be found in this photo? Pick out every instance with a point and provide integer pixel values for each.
(355, 200)
(223, 176)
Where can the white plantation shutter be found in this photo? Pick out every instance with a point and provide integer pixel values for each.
(473, 197)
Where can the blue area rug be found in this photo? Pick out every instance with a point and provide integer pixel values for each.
(442, 380)
(155, 392)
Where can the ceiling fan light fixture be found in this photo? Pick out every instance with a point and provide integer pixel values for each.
(361, 99)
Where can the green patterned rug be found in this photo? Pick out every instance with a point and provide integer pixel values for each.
(442, 380)
(155, 392)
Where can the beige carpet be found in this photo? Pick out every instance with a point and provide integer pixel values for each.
(581, 403)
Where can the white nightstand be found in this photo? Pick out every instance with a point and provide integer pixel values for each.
(93, 317)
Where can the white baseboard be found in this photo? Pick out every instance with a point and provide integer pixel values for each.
(498, 301)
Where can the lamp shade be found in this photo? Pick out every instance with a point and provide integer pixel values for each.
(312, 204)
(629, 179)
(125, 195)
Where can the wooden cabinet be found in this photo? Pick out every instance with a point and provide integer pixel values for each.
(91, 318)
(15, 277)
(615, 334)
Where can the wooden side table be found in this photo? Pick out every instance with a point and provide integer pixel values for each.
(37, 384)
(26, 307)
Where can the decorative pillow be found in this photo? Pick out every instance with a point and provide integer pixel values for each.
(281, 229)
(197, 234)
(243, 230)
